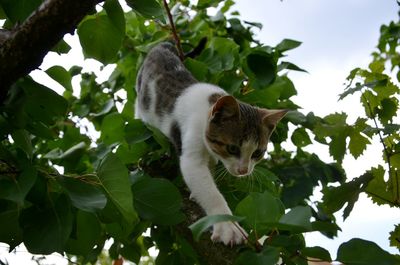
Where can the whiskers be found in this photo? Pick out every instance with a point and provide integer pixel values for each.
(254, 180)
(220, 172)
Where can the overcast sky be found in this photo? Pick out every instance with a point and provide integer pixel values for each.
(337, 36)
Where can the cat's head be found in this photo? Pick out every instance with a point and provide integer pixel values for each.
(238, 133)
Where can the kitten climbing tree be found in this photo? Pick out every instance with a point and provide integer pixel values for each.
(63, 190)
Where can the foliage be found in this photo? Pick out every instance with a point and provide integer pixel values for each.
(62, 190)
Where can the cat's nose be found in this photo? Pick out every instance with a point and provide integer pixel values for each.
(243, 170)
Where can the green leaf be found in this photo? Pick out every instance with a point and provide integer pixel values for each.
(221, 55)
(42, 104)
(347, 193)
(115, 14)
(262, 210)
(289, 242)
(254, 24)
(136, 131)
(11, 233)
(261, 66)
(290, 66)
(2, 14)
(380, 191)
(394, 237)
(112, 128)
(231, 82)
(267, 256)
(22, 139)
(282, 88)
(113, 176)
(87, 234)
(198, 69)
(107, 107)
(158, 200)
(337, 147)
(325, 226)
(208, 3)
(358, 143)
(300, 137)
(72, 152)
(361, 252)
(318, 253)
(350, 91)
(47, 230)
(201, 225)
(102, 32)
(132, 153)
(19, 10)
(17, 189)
(296, 117)
(147, 8)
(388, 109)
(62, 47)
(83, 195)
(41, 130)
(296, 220)
(62, 76)
(75, 70)
(287, 44)
(160, 138)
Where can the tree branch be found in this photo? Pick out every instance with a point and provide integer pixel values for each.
(23, 48)
(209, 252)
(174, 33)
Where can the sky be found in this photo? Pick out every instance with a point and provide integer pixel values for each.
(337, 36)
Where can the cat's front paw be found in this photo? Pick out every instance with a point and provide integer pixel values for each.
(228, 233)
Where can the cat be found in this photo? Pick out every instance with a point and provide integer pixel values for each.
(205, 124)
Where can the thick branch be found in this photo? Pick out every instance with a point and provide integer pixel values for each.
(4, 35)
(24, 48)
(209, 252)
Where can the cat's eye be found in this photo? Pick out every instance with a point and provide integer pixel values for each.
(233, 149)
(258, 154)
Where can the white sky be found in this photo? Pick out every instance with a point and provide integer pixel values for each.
(337, 37)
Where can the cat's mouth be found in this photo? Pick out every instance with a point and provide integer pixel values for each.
(237, 172)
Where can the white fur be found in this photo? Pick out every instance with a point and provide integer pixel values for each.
(191, 112)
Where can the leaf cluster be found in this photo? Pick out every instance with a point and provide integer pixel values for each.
(77, 169)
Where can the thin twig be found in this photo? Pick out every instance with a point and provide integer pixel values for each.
(393, 178)
(397, 187)
(385, 148)
(174, 33)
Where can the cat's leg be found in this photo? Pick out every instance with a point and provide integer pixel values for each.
(203, 189)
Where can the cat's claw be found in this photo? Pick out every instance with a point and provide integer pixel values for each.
(228, 233)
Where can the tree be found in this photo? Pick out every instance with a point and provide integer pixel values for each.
(63, 191)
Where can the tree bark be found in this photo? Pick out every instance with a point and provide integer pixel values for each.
(210, 253)
(23, 48)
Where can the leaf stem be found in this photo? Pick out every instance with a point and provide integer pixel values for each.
(174, 33)
(385, 148)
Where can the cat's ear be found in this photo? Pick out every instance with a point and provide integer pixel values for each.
(271, 117)
(226, 106)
